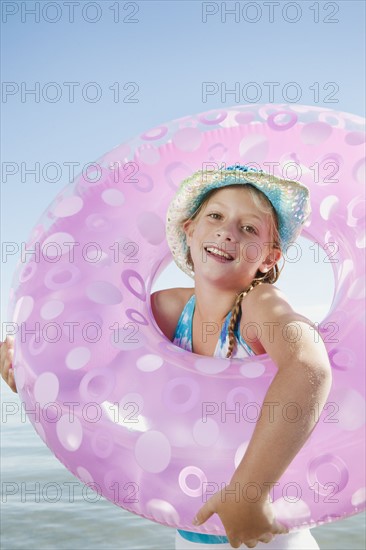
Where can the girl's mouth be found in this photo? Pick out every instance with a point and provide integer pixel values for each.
(218, 255)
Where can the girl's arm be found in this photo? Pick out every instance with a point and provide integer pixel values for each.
(303, 378)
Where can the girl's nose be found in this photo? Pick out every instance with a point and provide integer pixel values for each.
(225, 233)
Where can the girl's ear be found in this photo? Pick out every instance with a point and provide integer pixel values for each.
(272, 258)
(188, 228)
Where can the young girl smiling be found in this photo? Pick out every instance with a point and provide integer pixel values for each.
(227, 230)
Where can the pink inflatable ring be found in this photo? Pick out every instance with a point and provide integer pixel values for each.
(126, 411)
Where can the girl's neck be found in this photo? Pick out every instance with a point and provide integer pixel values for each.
(213, 303)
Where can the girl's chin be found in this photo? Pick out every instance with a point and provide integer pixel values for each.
(215, 271)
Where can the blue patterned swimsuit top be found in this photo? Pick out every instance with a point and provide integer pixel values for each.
(183, 334)
(183, 339)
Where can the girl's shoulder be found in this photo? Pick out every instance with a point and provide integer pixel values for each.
(167, 305)
(265, 298)
(263, 305)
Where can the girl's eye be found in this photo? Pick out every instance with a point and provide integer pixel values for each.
(250, 228)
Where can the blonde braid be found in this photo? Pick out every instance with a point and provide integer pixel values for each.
(270, 277)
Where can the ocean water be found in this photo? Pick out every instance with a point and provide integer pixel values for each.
(44, 507)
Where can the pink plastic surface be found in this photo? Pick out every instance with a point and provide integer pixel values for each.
(122, 407)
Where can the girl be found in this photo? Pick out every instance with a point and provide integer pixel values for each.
(226, 229)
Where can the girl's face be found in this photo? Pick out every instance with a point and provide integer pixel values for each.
(231, 222)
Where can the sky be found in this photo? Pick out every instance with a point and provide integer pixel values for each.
(149, 62)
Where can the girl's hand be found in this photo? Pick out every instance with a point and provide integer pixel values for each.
(244, 522)
(6, 358)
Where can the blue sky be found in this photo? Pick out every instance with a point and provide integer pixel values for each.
(167, 53)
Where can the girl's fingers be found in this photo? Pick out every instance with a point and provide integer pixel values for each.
(251, 543)
(235, 543)
(5, 367)
(6, 351)
(9, 342)
(3, 359)
(204, 513)
(6, 359)
(278, 529)
(11, 381)
(266, 538)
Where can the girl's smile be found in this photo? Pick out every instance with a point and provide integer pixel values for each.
(218, 255)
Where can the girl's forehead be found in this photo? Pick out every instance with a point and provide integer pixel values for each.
(240, 197)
